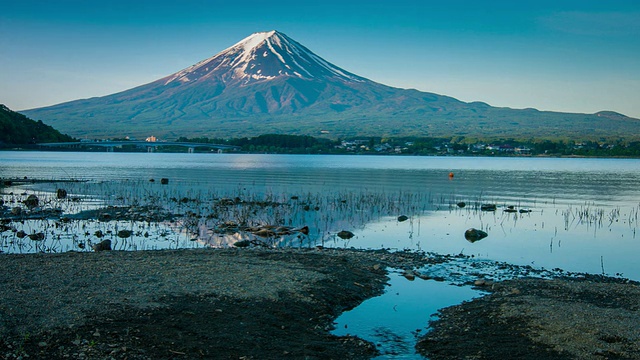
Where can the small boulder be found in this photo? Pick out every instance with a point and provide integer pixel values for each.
(21, 234)
(36, 236)
(461, 204)
(125, 233)
(479, 282)
(409, 275)
(164, 181)
(304, 230)
(242, 243)
(488, 207)
(32, 201)
(344, 234)
(16, 210)
(61, 194)
(103, 245)
(264, 233)
(402, 218)
(472, 235)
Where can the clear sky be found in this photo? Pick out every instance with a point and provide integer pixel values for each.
(562, 55)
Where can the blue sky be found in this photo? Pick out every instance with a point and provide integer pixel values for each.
(577, 56)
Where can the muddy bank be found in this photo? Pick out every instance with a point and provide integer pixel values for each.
(224, 304)
(589, 317)
(260, 303)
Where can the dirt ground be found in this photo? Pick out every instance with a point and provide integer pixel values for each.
(279, 304)
(589, 317)
(187, 304)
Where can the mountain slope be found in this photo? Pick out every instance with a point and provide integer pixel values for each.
(270, 83)
(16, 128)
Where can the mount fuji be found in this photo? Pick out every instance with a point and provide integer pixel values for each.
(269, 83)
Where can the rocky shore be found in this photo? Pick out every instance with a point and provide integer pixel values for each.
(257, 303)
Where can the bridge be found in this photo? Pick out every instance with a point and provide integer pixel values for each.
(151, 146)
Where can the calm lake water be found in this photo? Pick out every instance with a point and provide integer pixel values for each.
(583, 217)
(580, 215)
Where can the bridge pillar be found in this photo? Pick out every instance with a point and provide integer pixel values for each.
(191, 150)
(149, 149)
(109, 148)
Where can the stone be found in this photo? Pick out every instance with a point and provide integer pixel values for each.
(61, 193)
(488, 207)
(409, 275)
(21, 234)
(32, 201)
(402, 218)
(472, 235)
(344, 234)
(16, 210)
(264, 233)
(164, 181)
(104, 245)
(242, 243)
(304, 230)
(36, 236)
(125, 233)
(461, 204)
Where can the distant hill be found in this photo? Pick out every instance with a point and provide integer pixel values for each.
(269, 83)
(18, 129)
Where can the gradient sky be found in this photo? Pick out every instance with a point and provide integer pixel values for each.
(576, 56)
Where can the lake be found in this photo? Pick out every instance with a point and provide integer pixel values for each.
(583, 211)
(575, 214)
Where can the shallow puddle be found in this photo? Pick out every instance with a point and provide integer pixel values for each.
(394, 320)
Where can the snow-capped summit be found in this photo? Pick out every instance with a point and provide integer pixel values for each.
(269, 83)
(262, 56)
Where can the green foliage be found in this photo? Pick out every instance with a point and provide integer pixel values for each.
(16, 128)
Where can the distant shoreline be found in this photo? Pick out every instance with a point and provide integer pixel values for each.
(337, 154)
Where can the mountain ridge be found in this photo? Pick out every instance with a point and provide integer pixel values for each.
(269, 83)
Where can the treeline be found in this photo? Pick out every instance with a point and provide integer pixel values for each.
(17, 129)
(299, 144)
(273, 143)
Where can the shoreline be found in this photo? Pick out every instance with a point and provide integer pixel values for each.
(281, 303)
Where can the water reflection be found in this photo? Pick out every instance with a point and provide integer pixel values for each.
(401, 314)
(584, 212)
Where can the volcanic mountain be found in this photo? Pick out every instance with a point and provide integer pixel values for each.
(269, 83)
